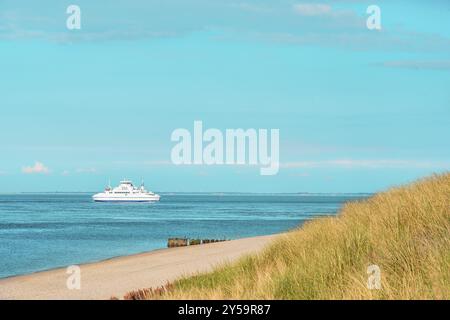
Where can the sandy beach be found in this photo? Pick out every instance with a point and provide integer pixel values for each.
(115, 277)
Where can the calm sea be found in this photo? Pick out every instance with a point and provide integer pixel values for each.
(44, 231)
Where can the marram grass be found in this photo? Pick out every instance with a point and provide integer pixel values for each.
(404, 231)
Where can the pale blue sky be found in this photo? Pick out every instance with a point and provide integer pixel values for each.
(358, 110)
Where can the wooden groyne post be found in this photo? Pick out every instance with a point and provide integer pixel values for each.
(177, 242)
(184, 242)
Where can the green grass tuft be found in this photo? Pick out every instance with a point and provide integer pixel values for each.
(405, 231)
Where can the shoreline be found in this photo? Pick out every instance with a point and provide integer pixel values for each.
(116, 276)
(82, 264)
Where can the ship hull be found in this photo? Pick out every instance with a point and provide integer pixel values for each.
(125, 199)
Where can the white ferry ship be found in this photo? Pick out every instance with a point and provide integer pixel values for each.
(126, 192)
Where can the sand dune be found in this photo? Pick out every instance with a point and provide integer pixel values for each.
(117, 276)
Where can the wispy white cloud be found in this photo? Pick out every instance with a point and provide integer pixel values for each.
(202, 174)
(86, 170)
(78, 171)
(353, 37)
(252, 7)
(368, 164)
(418, 65)
(313, 9)
(38, 168)
(144, 163)
(310, 23)
(301, 175)
(333, 163)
